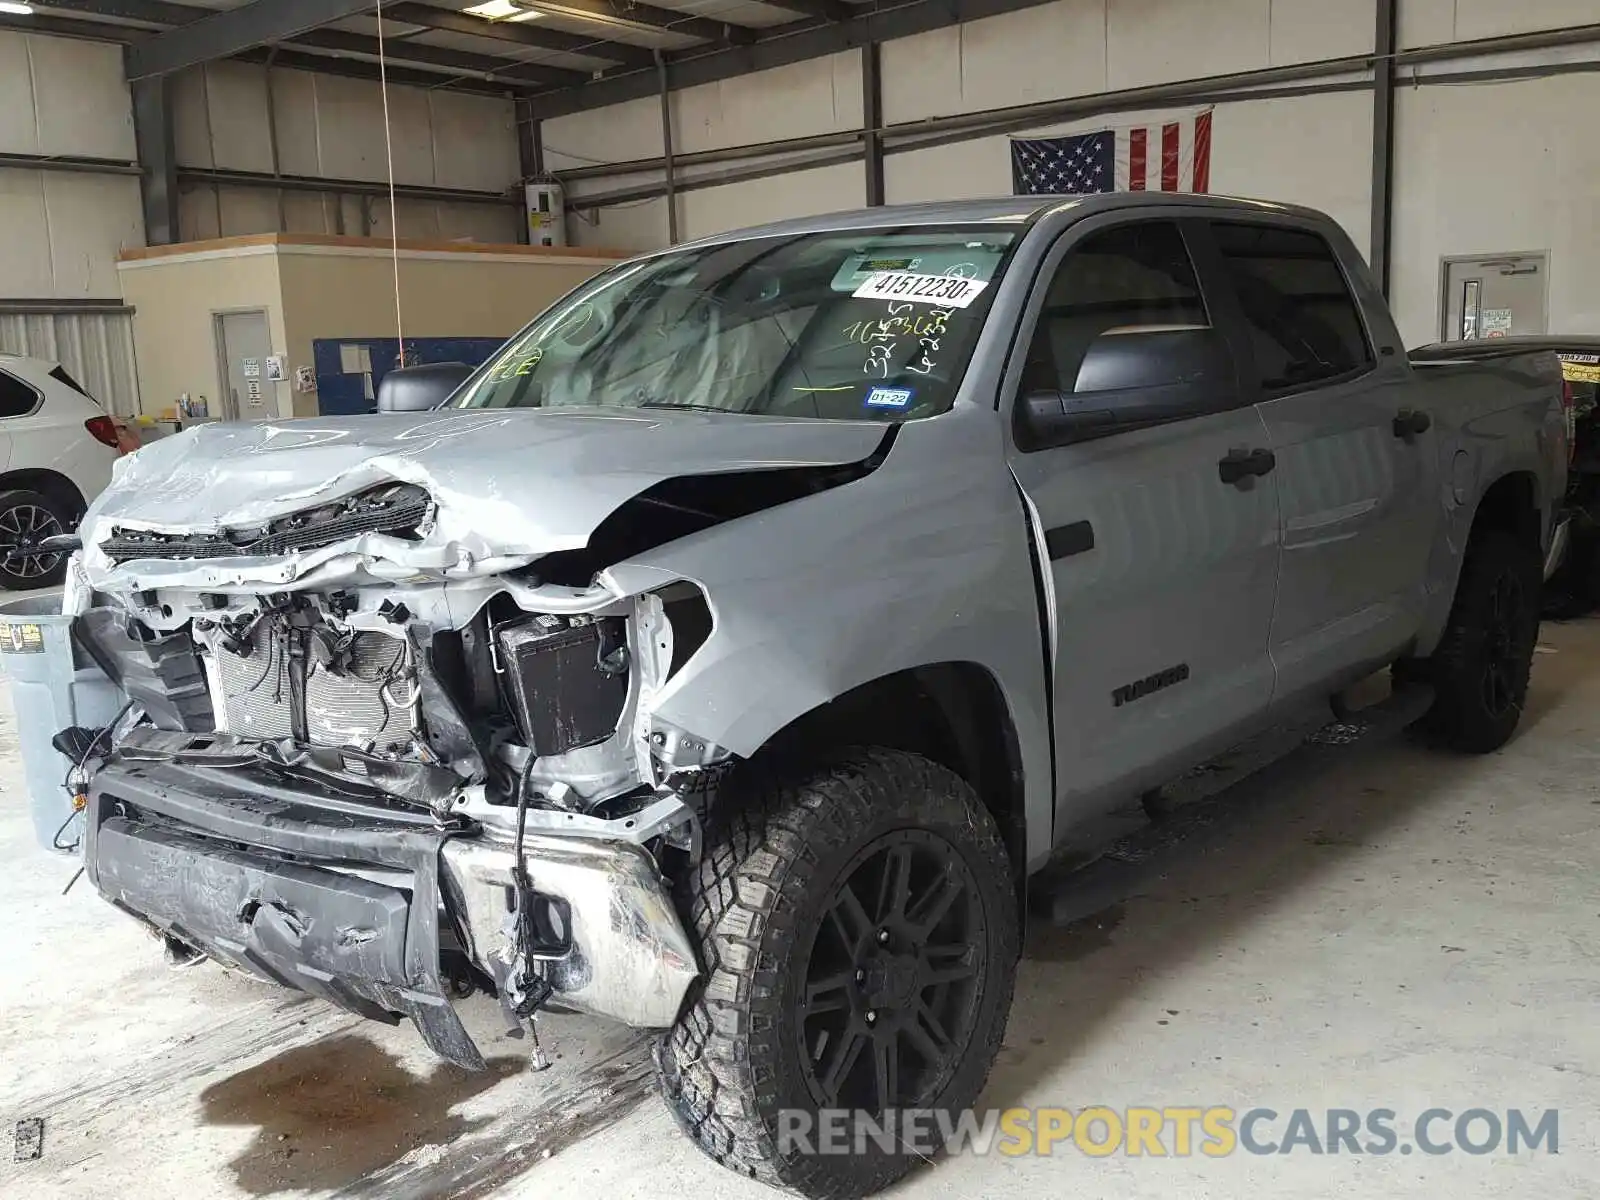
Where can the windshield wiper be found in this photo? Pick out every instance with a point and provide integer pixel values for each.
(692, 407)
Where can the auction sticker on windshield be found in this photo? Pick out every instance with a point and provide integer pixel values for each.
(947, 291)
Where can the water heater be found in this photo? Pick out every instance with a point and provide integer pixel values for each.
(547, 219)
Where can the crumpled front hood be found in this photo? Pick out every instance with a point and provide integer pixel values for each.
(509, 484)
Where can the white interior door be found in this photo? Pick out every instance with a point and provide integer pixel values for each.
(1494, 296)
(243, 343)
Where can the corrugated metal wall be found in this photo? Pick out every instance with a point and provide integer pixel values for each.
(61, 231)
(331, 126)
(95, 347)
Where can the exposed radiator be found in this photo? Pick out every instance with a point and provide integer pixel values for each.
(372, 703)
(255, 686)
(368, 700)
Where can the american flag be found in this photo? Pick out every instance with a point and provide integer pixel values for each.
(1170, 157)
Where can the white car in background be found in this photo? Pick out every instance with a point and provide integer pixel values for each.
(56, 449)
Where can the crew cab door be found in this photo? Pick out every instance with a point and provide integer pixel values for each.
(1355, 456)
(1154, 502)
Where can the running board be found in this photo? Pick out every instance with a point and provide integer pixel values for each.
(1209, 799)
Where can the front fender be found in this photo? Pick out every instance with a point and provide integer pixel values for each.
(925, 560)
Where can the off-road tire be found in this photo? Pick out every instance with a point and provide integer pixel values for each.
(776, 850)
(1480, 637)
(23, 512)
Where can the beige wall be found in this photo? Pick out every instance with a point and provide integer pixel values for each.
(325, 288)
(175, 300)
(337, 293)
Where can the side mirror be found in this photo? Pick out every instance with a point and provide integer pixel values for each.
(1139, 375)
(419, 388)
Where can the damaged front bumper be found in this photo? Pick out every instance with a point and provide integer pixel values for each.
(370, 754)
(367, 905)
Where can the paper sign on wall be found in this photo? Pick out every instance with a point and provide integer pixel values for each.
(1494, 322)
(253, 390)
(252, 368)
(275, 368)
(355, 358)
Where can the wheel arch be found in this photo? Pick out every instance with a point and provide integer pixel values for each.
(47, 483)
(954, 713)
(1510, 503)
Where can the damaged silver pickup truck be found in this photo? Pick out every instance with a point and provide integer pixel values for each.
(723, 655)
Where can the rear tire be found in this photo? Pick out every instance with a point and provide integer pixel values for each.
(850, 916)
(28, 515)
(1481, 666)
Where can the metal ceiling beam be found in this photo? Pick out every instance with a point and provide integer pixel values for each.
(95, 31)
(343, 187)
(1511, 43)
(610, 12)
(152, 133)
(1383, 47)
(234, 31)
(156, 12)
(800, 41)
(827, 10)
(521, 33)
(480, 66)
(69, 162)
(360, 68)
(164, 12)
(530, 143)
(695, 183)
(872, 121)
(779, 47)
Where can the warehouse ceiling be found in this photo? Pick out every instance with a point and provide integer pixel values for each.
(563, 54)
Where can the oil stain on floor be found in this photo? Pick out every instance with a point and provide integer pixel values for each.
(329, 1113)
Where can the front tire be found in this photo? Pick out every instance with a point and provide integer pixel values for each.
(1481, 666)
(859, 929)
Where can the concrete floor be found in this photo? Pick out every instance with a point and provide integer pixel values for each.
(1394, 929)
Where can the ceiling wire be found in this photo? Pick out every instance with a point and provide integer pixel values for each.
(394, 222)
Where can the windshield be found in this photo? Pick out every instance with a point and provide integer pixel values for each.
(864, 324)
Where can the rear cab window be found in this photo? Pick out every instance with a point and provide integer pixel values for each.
(1301, 321)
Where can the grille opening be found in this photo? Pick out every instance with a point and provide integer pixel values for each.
(398, 510)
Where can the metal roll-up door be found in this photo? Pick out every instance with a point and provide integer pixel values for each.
(94, 344)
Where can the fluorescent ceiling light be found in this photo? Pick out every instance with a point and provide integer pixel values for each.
(503, 10)
(21, 10)
(556, 9)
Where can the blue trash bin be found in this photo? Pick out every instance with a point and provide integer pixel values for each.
(53, 685)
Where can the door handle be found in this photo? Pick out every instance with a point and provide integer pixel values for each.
(1239, 466)
(1409, 422)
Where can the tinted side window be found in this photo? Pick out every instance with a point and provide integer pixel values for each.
(1303, 323)
(1132, 275)
(16, 398)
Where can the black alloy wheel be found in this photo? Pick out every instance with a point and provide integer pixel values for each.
(27, 518)
(891, 984)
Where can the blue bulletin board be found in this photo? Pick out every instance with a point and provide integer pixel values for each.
(349, 369)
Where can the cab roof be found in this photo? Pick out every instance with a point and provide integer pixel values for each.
(1004, 210)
